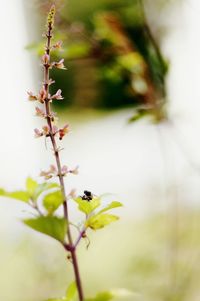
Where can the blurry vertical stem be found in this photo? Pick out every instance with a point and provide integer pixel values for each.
(148, 31)
(70, 245)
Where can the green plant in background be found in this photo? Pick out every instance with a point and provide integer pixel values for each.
(46, 197)
(112, 50)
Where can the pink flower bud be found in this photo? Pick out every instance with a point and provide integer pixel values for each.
(45, 59)
(64, 170)
(46, 130)
(63, 131)
(58, 95)
(74, 171)
(39, 112)
(38, 133)
(53, 169)
(52, 172)
(51, 81)
(31, 96)
(46, 175)
(72, 194)
(57, 45)
(42, 95)
(59, 65)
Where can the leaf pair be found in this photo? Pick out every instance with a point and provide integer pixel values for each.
(100, 219)
(51, 201)
(50, 225)
(32, 192)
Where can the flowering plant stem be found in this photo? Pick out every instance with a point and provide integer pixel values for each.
(70, 247)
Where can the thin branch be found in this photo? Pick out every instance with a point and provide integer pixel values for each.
(58, 161)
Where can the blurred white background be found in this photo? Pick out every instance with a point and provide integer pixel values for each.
(138, 163)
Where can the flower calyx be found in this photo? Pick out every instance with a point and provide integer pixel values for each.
(52, 172)
(63, 131)
(57, 96)
(59, 65)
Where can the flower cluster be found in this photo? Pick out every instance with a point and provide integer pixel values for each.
(45, 98)
(54, 172)
(42, 96)
(51, 16)
(50, 131)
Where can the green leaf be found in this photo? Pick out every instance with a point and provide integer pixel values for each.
(109, 295)
(42, 188)
(50, 225)
(17, 195)
(52, 201)
(99, 221)
(71, 292)
(88, 206)
(112, 205)
(31, 186)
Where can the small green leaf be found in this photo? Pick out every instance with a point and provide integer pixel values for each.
(71, 292)
(99, 221)
(50, 225)
(42, 188)
(31, 186)
(88, 206)
(17, 195)
(112, 205)
(52, 201)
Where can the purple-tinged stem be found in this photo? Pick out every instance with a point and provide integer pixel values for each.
(71, 248)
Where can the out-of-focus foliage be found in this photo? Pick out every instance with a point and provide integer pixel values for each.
(47, 222)
(112, 56)
(156, 259)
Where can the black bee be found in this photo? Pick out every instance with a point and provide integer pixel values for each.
(88, 196)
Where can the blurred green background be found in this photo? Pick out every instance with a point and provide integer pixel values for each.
(113, 58)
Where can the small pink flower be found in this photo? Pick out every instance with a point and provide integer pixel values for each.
(42, 95)
(46, 175)
(39, 112)
(57, 45)
(59, 65)
(74, 171)
(46, 130)
(45, 59)
(52, 172)
(58, 95)
(53, 169)
(63, 131)
(64, 170)
(38, 133)
(51, 81)
(72, 194)
(31, 96)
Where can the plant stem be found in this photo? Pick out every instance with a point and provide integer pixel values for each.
(71, 249)
(79, 237)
